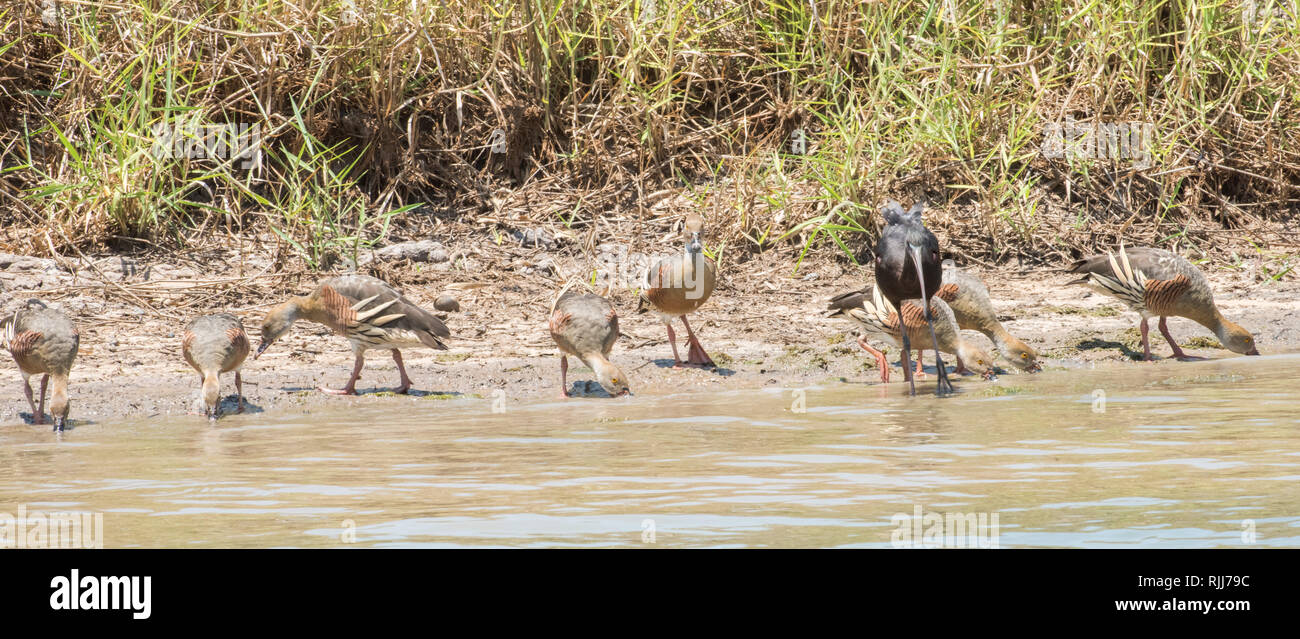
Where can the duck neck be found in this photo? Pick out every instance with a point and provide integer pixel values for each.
(1214, 322)
(304, 308)
(211, 389)
(595, 361)
(59, 394)
(691, 257)
(1001, 339)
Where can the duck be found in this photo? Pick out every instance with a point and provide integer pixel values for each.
(968, 297)
(678, 285)
(216, 344)
(585, 326)
(1159, 283)
(43, 341)
(905, 236)
(879, 320)
(369, 313)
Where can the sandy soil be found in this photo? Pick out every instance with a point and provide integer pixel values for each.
(763, 326)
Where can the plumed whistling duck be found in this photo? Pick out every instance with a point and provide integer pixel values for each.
(968, 297)
(879, 320)
(367, 311)
(1155, 282)
(216, 344)
(43, 341)
(585, 326)
(678, 285)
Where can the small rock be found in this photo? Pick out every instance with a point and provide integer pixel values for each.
(417, 251)
(538, 238)
(446, 303)
(11, 262)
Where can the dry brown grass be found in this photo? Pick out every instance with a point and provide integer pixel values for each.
(608, 109)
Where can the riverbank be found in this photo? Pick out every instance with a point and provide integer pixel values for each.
(764, 326)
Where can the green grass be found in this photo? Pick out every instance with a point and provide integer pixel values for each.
(1201, 341)
(1001, 390)
(371, 107)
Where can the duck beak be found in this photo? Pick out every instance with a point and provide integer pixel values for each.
(261, 348)
(1253, 351)
(1035, 368)
(59, 423)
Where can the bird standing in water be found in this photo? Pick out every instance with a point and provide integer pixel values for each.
(879, 320)
(212, 345)
(43, 341)
(908, 267)
(367, 311)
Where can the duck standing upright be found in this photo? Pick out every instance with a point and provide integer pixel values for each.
(1155, 282)
(879, 320)
(216, 344)
(585, 326)
(367, 311)
(43, 341)
(678, 285)
(904, 237)
(969, 300)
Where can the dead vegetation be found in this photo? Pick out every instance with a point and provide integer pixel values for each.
(378, 121)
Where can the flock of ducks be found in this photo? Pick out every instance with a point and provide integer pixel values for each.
(937, 299)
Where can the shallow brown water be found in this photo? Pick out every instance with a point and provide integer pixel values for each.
(1182, 454)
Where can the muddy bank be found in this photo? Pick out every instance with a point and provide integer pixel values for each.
(763, 326)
